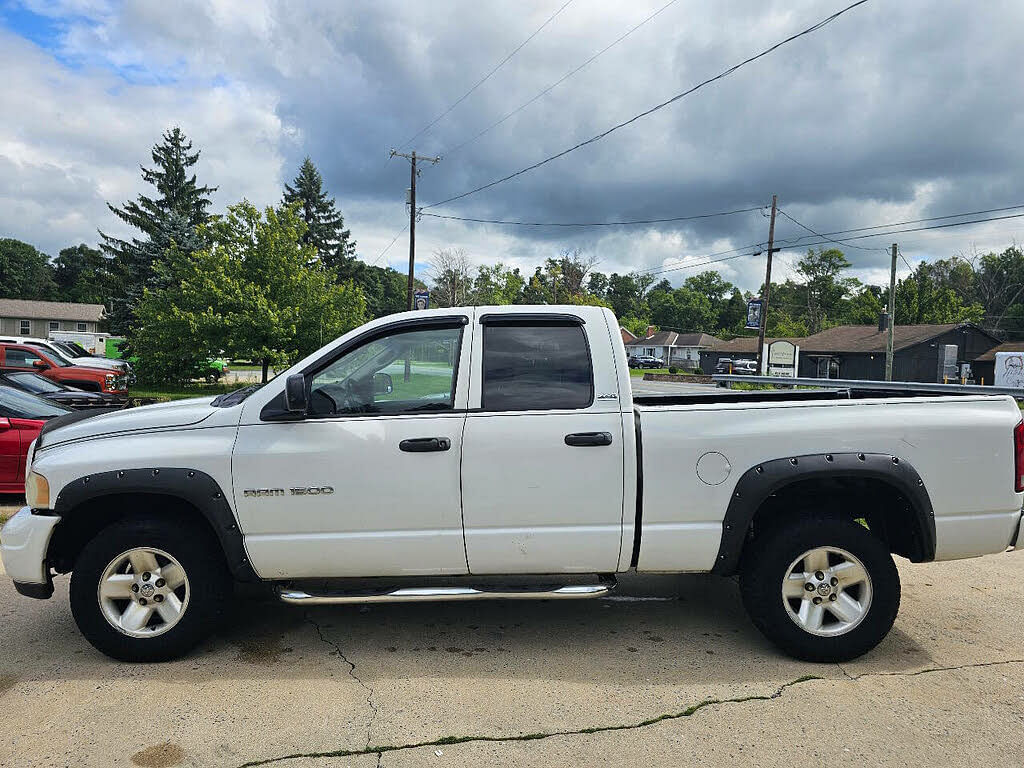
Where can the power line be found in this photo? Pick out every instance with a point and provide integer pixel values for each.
(486, 77)
(659, 271)
(656, 107)
(591, 223)
(818, 234)
(900, 253)
(846, 240)
(840, 241)
(558, 82)
(388, 246)
(794, 240)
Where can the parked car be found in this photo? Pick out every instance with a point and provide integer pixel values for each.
(521, 449)
(73, 353)
(22, 415)
(70, 397)
(57, 368)
(646, 361)
(736, 367)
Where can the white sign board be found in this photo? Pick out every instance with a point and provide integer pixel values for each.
(1010, 369)
(782, 357)
(781, 353)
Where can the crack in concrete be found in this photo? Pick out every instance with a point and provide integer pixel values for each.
(354, 676)
(380, 749)
(929, 670)
(845, 673)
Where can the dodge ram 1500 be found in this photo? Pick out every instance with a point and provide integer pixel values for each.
(451, 452)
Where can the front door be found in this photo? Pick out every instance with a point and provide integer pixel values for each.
(542, 463)
(368, 483)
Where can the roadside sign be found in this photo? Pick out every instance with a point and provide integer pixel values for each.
(754, 308)
(782, 358)
(421, 300)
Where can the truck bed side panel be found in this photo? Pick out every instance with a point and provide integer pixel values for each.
(961, 446)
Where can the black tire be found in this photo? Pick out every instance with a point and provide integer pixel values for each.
(209, 583)
(765, 564)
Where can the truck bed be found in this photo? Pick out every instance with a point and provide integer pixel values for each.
(783, 395)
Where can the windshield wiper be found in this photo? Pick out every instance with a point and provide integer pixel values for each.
(229, 399)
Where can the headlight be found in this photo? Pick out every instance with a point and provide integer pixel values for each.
(37, 491)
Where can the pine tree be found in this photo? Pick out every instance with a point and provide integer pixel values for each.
(173, 215)
(325, 226)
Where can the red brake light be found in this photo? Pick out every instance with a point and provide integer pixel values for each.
(1018, 456)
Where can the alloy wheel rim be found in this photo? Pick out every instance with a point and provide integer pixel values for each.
(143, 592)
(826, 591)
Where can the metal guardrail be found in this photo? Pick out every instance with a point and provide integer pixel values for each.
(893, 386)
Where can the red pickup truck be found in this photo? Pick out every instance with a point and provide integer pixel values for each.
(21, 357)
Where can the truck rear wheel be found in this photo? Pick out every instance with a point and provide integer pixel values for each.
(148, 590)
(823, 589)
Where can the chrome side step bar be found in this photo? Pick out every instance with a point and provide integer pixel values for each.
(434, 594)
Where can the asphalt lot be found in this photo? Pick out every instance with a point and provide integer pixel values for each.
(521, 682)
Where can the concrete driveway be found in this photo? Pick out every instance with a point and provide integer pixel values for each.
(667, 673)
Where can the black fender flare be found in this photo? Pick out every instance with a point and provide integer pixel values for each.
(770, 477)
(190, 485)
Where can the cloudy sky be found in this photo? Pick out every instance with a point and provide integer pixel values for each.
(898, 110)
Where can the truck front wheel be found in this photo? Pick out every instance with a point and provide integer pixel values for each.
(823, 589)
(147, 590)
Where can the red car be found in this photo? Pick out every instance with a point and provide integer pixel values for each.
(22, 357)
(21, 417)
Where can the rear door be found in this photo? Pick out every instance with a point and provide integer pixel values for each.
(542, 462)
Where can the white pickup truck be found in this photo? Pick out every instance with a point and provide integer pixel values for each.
(454, 452)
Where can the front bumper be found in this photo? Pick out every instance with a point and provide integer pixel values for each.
(24, 542)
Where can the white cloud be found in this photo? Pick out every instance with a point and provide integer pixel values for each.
(894, 112)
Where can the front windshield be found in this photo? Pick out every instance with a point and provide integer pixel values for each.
(34, 383)
(76, 349)
(15, 404)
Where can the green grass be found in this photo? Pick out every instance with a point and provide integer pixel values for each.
(419, 385)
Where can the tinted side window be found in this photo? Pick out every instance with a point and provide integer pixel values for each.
(536, 367)
(20, 358)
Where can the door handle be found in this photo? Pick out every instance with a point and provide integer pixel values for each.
(425, 444)
(584, 439)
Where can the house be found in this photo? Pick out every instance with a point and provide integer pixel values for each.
(858, 351)
(679, 349)
(627, 335)
(21, 317)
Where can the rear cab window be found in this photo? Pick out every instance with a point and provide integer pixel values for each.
(532, 364)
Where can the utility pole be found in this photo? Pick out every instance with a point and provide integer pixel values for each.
(413, 158)
(767, 289)
(892, 315)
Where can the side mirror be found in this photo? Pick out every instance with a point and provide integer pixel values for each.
(5, 423)
(295, 394)
(382, 384)
(39, 365)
